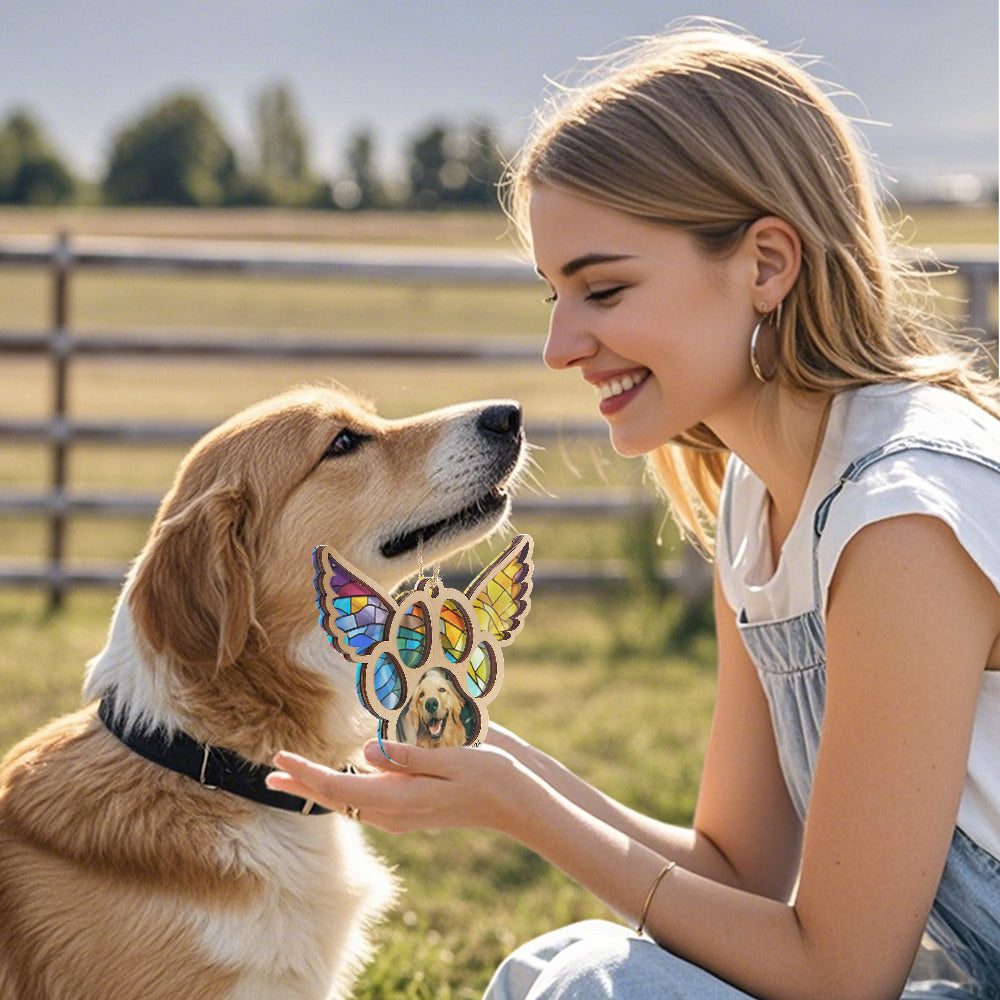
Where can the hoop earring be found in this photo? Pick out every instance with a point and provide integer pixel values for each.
(755, 336)
(754, 363)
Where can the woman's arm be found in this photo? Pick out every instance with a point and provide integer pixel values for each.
(745, 833)
(743, 803)
(910, 625)
(666, 840)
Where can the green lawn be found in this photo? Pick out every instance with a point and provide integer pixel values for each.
(606, 685)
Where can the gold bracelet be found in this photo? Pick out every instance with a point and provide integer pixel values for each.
(668, 867)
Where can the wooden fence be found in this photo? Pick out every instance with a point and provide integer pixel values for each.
(60, 430)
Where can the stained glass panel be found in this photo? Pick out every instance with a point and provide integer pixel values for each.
(479, 676)
(388, 682)
(411, 639)
(454, 630)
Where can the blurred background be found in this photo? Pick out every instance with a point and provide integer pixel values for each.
(203, 203)
(345, 103)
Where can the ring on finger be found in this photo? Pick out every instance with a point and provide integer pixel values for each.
(352, 812)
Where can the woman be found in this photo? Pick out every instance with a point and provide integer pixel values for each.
(721, 275)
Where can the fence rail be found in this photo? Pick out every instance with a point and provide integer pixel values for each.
(976, 266)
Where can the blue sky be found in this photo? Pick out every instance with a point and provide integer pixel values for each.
(927, 68)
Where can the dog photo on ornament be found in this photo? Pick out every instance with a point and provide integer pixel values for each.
(434, 716)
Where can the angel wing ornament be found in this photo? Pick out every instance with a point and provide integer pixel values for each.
(429, 661)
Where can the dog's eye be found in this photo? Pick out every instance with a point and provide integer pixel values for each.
(344, 443)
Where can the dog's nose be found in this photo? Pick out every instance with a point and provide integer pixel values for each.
(501, 419)
(431, 705)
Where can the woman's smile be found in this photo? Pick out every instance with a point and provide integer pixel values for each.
(617, 389)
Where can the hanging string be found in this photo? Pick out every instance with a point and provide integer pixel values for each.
(435, 577)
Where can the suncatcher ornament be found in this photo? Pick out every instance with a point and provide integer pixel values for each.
(429, 661)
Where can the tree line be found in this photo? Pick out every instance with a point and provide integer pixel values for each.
(175, 152)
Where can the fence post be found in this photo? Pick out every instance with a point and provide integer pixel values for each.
(59, 349)
(979, 280)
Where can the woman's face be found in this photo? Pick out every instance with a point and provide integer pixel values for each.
(659, 329)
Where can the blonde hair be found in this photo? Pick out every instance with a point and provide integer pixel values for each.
(708, 130)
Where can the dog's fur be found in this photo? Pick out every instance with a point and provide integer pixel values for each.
(121, 879)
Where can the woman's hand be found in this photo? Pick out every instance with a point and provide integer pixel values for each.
(411, 789)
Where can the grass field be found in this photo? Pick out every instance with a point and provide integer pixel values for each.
(617, 685)
(624, 703)
(920, 224)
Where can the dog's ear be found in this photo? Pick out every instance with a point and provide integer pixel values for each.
(470, 720)
(457, 703)
(192, 595)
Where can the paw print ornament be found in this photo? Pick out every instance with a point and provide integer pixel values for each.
(429, 661)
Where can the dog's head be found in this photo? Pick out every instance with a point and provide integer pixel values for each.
(438, 710)
(227, 569)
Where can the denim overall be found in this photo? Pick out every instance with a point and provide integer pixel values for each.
(790, 656)
(598, 960)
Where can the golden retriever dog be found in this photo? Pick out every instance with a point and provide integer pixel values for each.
(435, 712)
(141, 854)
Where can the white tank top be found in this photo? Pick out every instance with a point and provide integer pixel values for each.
(964, 493)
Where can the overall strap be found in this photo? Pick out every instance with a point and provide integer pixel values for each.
(859, 466)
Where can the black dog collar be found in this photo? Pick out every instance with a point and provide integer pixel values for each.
(211, 767)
